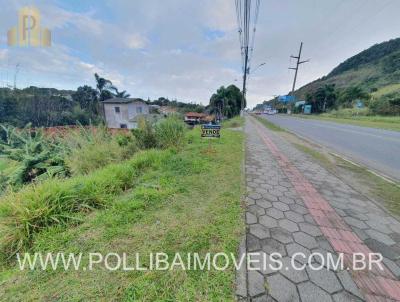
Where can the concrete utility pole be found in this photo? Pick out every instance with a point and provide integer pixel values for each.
(297, 68)
(15, 75)
(246, 71)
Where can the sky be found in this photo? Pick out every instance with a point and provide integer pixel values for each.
(187, 49)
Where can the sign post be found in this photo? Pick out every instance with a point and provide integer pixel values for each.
(210, 131)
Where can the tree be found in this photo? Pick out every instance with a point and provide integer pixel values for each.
(87, 98)
(350, 94)
(324, 98)
(121, 94)
(104, 88)
(226, 101)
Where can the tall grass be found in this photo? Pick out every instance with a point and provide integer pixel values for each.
(170, 132)
(36, 207)
(92, 148)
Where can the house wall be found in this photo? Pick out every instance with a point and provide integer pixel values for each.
(127, 112)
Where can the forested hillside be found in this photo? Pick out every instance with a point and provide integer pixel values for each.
(372, 76)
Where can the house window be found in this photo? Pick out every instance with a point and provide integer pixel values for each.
(117, 110)
(138, 109)
(123, 126)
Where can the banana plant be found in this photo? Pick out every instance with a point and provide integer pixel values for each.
(39, 157)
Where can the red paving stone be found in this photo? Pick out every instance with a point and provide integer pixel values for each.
(376, 284)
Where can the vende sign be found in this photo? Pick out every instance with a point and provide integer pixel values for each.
(210, 131)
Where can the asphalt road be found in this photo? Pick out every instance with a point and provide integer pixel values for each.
(375, 148)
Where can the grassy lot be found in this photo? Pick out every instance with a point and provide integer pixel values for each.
(381, 122)
(187, 201)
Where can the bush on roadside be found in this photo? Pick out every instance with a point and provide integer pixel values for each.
(170, 132)
(145, 134)
(348, 112)
(386, 105)
(92, 148)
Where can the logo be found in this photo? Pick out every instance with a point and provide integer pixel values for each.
(28, 31)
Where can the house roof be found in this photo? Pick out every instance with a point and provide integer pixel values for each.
(123, 101)
(168, 109)
(195, 114)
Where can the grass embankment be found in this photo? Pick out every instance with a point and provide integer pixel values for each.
(380, 122)
(187, 201)
(233, 122)
(268, 124)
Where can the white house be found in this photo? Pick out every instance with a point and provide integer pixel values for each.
(123, 112)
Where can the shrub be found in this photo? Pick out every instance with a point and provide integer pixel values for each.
(349, 112)
(170, 132)
(386, 105)
(145, 134)
(92, 148)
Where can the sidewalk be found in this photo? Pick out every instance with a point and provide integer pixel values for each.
(296, 206)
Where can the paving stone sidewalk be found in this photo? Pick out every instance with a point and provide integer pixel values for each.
(294, 205)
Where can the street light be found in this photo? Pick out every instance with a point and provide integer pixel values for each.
(262, 64)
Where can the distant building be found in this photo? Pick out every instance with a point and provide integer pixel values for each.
(194, 118)
(167, 110)
(124, 112)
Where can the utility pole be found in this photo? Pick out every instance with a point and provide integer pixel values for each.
(298, 63)
(15, 75)
(246, 58)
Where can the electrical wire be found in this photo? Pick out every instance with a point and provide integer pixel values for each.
(245, 18)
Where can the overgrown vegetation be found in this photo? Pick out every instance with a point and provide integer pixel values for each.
(78, 152)
(173, 205)
(38, 157)
(170, 133)
(88, 149)
(25, 213)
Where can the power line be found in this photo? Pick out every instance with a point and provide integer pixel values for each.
(296, 69)
(244, 16)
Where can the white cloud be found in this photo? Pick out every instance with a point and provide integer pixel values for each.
(136, 41)
(3, 54)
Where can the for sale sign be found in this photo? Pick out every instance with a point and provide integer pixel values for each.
(210, 131)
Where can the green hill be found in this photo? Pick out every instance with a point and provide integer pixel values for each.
(376, 70)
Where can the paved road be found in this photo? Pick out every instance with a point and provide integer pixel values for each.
(375, 148)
